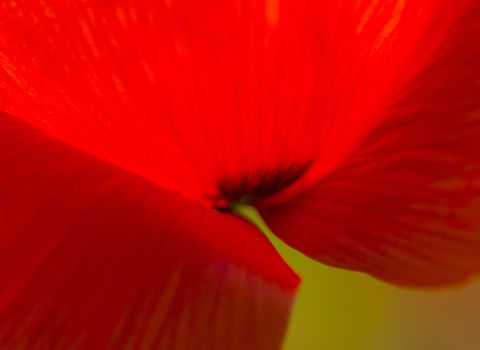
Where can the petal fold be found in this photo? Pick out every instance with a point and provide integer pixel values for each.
(93, 257)
(404, 205)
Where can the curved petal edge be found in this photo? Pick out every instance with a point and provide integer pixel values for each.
(93, 257)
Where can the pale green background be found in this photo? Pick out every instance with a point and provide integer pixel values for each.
(343, 310)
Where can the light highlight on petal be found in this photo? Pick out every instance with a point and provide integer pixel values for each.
(93, 257)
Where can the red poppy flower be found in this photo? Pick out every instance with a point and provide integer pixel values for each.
(353, 126)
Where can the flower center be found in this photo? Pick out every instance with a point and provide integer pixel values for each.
(258, 184)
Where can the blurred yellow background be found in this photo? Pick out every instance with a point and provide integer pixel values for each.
(343, 310)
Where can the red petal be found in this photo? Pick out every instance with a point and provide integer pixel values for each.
(404, 206)
(92, 257)
(177, 91)
(195, 95)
